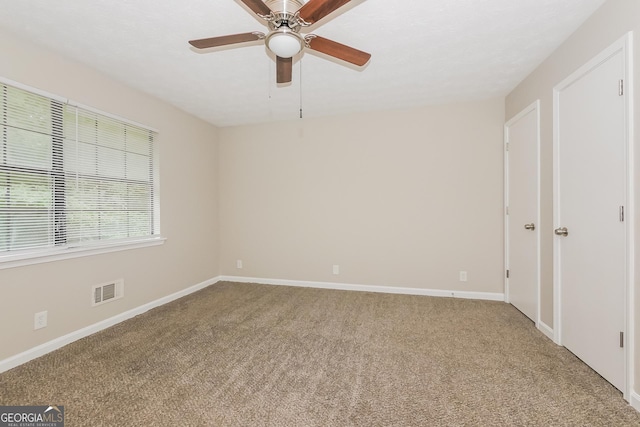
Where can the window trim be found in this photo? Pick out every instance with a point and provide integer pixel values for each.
(38, 256)
(32, 257)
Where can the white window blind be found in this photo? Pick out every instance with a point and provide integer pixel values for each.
(71, 177)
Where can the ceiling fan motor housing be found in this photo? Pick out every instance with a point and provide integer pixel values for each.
(286, 6)
(284, 14)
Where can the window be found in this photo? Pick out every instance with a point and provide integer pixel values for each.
(71, 177)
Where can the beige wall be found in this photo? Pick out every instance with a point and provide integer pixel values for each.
(188, 155)
(400, 198)
(612, 21)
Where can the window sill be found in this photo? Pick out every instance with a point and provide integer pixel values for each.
(39, 257)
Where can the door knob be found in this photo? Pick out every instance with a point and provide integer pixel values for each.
(562, 231)
(531, 226)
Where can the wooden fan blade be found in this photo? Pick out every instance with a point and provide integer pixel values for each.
(284, 67)
(315, 10)
(338, 50)
(257, 6)
(226, 40)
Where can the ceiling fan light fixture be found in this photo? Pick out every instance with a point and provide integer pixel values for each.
(284, 43)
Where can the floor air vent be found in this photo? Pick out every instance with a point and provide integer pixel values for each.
(107, 292)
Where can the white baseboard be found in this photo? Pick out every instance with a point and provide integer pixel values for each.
(635, 401)
(369, 288)
(57, 343)
(546, 329)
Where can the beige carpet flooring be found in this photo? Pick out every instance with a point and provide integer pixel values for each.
(255, 355)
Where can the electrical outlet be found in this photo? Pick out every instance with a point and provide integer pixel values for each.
(40, 320)
(239, 263)
(463, 276)
(336, 269)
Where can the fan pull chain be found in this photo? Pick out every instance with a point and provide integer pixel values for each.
(300, 87)
(270, 79)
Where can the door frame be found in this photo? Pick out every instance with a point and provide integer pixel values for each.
(624, 45)
(535, 108)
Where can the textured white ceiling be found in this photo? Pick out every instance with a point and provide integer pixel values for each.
(424, 52)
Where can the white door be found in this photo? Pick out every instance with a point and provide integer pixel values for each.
(590, 182)
(522, 207)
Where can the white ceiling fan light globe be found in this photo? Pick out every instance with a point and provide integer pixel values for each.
(284, 44)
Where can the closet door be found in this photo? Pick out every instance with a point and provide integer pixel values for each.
(590, 228)
(522, 211)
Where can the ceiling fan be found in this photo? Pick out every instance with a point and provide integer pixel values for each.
(285, 19)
